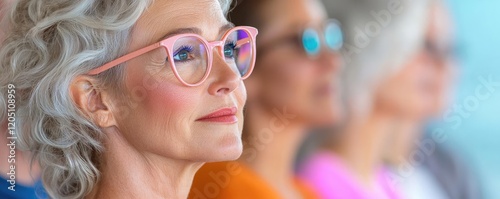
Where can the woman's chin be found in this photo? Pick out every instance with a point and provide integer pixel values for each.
(326, 116)
(226, 150)
(226, 155)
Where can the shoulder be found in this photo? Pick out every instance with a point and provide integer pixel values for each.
(452, 172)
(305, 189)
(229, 180)
(321, 163)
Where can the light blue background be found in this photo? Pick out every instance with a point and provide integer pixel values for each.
(478, 136)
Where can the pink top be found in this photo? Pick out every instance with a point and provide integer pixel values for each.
(331, 179)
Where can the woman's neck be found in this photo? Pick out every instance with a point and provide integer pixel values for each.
(128, 173)
(363, 144)
(272, 139)
(409, 132)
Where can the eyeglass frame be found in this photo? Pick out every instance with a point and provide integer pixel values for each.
(169, 43)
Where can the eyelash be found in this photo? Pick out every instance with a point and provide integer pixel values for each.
(182, 48)
(189, 49)
(231, 44)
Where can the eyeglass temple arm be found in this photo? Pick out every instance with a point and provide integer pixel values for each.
(122, 59)
(243, 41)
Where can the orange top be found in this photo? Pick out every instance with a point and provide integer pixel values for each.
(234, 180)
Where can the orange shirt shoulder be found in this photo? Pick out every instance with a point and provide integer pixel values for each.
(306, 191)
(234, 180)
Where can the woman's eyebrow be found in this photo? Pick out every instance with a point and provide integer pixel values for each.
(195, 30)
(181, 31)
(225, 27)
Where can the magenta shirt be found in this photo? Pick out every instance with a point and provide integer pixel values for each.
(331, 179)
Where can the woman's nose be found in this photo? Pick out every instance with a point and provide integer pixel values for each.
(330, 61)
(223, 77)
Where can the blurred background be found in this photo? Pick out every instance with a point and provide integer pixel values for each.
(472, 125)
(477, 136)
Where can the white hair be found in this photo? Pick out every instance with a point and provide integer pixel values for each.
(387, 50)
(49, 43)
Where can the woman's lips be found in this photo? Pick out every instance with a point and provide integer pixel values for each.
(224, 115)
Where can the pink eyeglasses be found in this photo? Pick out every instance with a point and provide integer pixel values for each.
(190, 56)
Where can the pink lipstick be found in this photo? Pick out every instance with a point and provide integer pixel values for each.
(225, 115)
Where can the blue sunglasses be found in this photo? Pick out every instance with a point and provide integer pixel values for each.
(312, 39)
(331, 36)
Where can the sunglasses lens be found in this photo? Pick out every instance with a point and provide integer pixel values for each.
(333, 36)
(190, 59)
(311, 42)
(238, 51)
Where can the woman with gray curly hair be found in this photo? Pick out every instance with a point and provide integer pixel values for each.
(125, 98)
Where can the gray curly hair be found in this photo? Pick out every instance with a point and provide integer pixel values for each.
(49, 43)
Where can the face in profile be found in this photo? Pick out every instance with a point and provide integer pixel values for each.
(420, 89)
(439, 50)
(285, 75)
(408, 93)
(161, 115)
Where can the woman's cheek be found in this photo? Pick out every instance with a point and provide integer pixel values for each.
(175, 99)
(241, 95)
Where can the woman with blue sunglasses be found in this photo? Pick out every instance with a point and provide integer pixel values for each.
(294, 88)
(386, 81)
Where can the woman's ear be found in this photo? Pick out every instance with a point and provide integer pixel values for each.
(92, 102)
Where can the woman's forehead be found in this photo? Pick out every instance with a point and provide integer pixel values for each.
(163, 17)
(293, 16)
